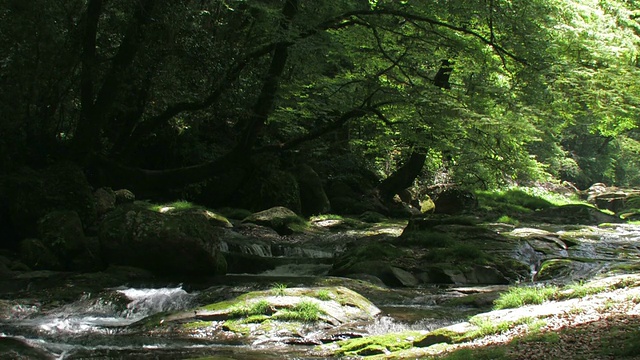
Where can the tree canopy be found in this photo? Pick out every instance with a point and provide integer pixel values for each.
(478, 93)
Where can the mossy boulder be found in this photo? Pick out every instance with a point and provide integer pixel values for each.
(164, 243)
(279, 218)
(290, 315)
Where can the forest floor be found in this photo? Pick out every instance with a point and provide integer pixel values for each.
(600, 326)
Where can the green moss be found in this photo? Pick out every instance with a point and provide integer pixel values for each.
(237, 327)
(194, 325)
(374, 251)
(261, 307)
(294, 222)
(378, 344)
(505, 219)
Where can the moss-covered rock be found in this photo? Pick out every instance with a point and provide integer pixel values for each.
(307, 314)
(279, 218)
(167, 244)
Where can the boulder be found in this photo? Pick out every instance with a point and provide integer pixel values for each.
(278, 218)
(164, 243)
(124, 196)
(455, 201)
(310, 315)
(105, 199)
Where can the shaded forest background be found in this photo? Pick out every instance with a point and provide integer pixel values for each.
(236, 103)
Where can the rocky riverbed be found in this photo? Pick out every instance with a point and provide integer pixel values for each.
(292, 294)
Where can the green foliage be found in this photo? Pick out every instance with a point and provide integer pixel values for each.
(537, 89)
(305, 311)
(506, 219)
(261, 307)
(323, 295)
(520, 296)
(377, 344)
(512, 199)
(279, 289)
(486, 326)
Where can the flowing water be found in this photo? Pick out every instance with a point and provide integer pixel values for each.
(94, 324)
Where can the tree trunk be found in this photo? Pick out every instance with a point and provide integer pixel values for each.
(264, 104)
(95, 112)
(403, 177)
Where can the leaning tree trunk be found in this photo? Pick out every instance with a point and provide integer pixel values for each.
(404, 176)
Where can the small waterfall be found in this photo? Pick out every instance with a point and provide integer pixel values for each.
(91, 314)
(146, 302)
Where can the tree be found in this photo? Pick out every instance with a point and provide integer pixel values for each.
(164, 93)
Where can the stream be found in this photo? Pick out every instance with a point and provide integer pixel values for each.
(46, 315)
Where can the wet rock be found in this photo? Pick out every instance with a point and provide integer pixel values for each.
(18, 349)
(404, 277)
(566, 270)
(301, 315)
